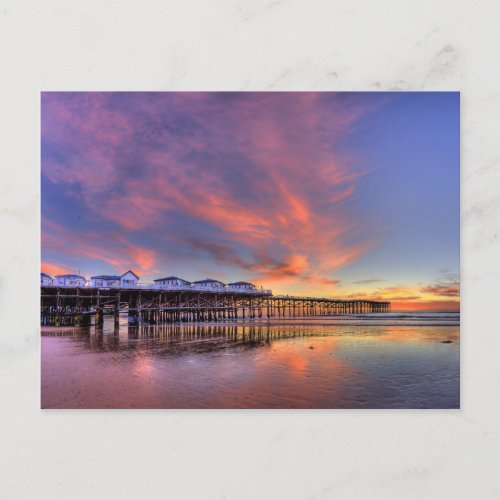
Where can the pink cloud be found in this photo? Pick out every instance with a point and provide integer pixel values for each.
(263, 171)
(53, 269)
(118, 252)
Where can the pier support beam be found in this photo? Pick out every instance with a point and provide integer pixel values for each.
(117, 311)
(64, 306)
(99, 317)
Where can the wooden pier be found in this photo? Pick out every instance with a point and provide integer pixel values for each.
(83, 306)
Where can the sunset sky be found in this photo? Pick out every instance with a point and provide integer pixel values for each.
(324, 194)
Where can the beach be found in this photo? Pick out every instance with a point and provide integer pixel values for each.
(397, 360)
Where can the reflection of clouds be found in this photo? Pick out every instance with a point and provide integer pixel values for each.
(257, 366)
(142, 362)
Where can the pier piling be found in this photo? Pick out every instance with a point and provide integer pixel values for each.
(62, 306)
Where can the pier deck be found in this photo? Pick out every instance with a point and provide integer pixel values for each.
(80, 306)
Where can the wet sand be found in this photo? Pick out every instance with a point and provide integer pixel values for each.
(300, 365)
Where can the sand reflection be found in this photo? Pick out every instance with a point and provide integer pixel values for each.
(251, 366)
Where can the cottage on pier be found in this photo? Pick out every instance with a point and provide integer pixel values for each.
(69, 280)
(45, 279)
(241, 286)
(105, 281)
(210, 284)
(172, 282)
(129, 279)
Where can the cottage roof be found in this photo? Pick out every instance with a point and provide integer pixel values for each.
(171, 278)
(129, 271)
(241, 283)
(208, 280)
(43, 275)
(105, 277)
(69, 276)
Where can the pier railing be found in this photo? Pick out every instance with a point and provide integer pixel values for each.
(159, 287)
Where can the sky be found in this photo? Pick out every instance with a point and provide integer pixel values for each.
(345, 195)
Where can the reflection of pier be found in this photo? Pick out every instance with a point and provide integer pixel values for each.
(77, 305)
(187, 337)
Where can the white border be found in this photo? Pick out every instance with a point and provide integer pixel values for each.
(248, 45)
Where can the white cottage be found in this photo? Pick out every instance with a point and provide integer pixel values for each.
(241, 286)
(105, 281)
(210, 284)
(69, 280)
(172, 282)
(45, 280)
(129, 280)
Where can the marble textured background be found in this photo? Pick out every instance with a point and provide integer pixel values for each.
(249, 45)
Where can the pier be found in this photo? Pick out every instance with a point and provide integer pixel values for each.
(83, 306)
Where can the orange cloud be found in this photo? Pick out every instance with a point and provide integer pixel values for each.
(447, 288)
(406, 297)
(261, 188)
(429, 305)
(53, 269)
(119, 252)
